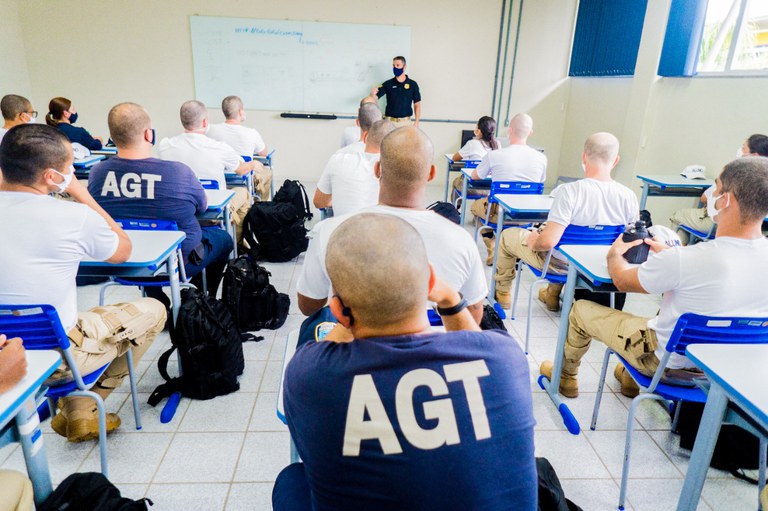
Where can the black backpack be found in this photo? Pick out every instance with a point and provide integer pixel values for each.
(90, 490)
(253, 302)
(211, 350)
(275, 230)
(491, 319)
(447, 210)
(551, 494)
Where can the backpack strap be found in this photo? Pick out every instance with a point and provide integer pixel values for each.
(249, 337)
(248, 235)
(170, 386)
(307, 210)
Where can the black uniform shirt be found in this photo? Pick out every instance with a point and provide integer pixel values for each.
(400, 96)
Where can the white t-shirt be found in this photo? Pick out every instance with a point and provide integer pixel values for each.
(450, 249)
(208, 158)
(354, 147)
(722, 277)
(350, 136)
(474, 149)
(349, 178)
(44, 244)
(244, 140)
(592, 202)
(514, 163)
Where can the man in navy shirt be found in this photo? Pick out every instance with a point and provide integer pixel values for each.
(401, 92)
(403, 417)
(135, 185)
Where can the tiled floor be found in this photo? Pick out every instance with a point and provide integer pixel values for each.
(224, 454)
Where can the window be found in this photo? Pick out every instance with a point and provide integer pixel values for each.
(735, 37)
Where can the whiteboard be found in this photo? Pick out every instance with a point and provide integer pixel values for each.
(297, 66)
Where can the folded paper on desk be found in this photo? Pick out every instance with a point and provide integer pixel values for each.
(694, 172)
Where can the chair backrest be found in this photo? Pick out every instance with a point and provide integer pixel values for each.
(246, 158)
(209, 184)
(515, 187)
(141, 224)
(695, 329)
(590, 235)
(38, 326)
(471, 164)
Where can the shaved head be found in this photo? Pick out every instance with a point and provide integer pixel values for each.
(378, 131)
(378, 289)
(192, 114)
(406, 161)
(127, 123)
(521, 126)
(369, 99)
(601, 148)
(367, 115)
(231, 106)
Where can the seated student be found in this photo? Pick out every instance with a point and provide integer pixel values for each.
(133, 184)
(62, 115)
(357, 410)
(244, 140)
(696, 218)
(208, 158)
(347, 182)
(722, 277)
(352, 134)
(595, 200)
(404, 169)
(516, 162)
(50, 238)
(16, 110)
(367, 114)
(484, 141)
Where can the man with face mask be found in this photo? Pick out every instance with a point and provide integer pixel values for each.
(49, 238)
(697, 218)
(244, 140)
(133, 184)
(401, 92)
(16, 110)
(722, 277)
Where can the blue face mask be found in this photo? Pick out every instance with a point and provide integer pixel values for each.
(397, 71)
(153, 136)
(73, 118)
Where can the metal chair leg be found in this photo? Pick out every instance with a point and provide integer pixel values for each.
(518, 272)
(103, 291)
(102, 415)
(530, 306)
(761, 478)
(628, 444)
(134, 393)
(676, 416)
(600, 386)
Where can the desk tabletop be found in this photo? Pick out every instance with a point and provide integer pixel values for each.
(524, 203)
(590, 260)
(738, 368)
(149, 248)
(468, 173)
(40, 365)
(89, 161)
(217, 199)
(106, 151)
(675, 180)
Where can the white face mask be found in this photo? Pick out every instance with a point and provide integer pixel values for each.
(67, 179)
(32, 120)
(242, 117)
(739, 154)
(712, 211)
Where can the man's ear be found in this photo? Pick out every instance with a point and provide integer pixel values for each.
(616, 161)
(377, 169)
(431, 278)
(337, 309)
(357, 122)
(205, 122)
(432, 171)
(365, 136)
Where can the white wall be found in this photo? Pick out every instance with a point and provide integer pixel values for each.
(14, 76)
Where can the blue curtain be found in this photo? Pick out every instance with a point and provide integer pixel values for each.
(681, 42)
(607, 37)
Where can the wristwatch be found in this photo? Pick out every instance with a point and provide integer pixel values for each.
(450, 311)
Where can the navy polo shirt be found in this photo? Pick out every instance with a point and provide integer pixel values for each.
(400, 96)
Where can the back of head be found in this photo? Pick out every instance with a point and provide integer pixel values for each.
(378, 131)
(367, 115)
(758, 144)
(601, 149)
(521, 126)
(192, 114)
(12, 105)
(487, 127)
(747, 180)
(380, 290)
(127, 123)
(28, 150)
(369, 99)
(56, 109)
(405, 161)
(231, 106)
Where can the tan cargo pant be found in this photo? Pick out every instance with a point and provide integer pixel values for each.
(239, 207)
(399, 122)
(626, 334)
(695, 218)
(512, 247)
(262, 181)
(15, 492)
(106, 333)
(457, 185)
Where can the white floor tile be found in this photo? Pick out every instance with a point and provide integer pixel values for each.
(231, 412)
(647, 459)
(264, 456)
(249, 497)
(251, 378)
(730, 494)
(184, 497)
(265, 415)
(271, 381)
(259, 350)
(571, 455)
(64, 457)
(655, 494)
(131, 458)
(200, 458)
(592, 494)
(150, 416)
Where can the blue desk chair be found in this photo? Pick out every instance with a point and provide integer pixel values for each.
(326, 213)
(40, 329)
(209, 184)
(690, 329)
(471, 185)
(696, 236)
(501, 187)
(573, 235)
(136, 224)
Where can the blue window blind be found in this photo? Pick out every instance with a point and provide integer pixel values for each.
(607, 37)
(682, 39)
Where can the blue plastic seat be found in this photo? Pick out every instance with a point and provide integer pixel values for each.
(503, 187)
(690, 329)
(40, 328)
(209, 184)
(573, 235)
(482, 184)
(696, 236)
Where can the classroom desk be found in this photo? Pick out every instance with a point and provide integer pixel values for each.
(218, 210)
(517, 208)
(735, 374)
(671, 185)
(453, 166)
(466, 181)
(290, 349)
(267, 161)
(18, 405)
(587, 268)
(107, 152)
(83, 166)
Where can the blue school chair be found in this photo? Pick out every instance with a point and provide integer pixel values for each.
(502, 187)
(690, 329)
(471, 185)
(573, 235)
(40, 329)
(209, 184)
(696, 236)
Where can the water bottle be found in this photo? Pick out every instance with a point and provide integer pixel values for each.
(639, 253)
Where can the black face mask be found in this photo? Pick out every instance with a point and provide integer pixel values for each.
(153, 136)
(73, 118)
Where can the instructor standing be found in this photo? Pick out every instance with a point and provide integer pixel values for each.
(401, 91)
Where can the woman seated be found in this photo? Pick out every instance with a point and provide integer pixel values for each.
(62, 115)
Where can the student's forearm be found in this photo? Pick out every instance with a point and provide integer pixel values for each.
(463, 320)
(417, 112)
